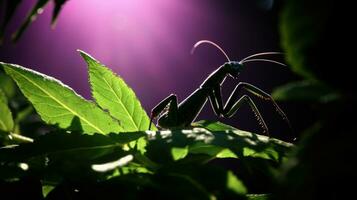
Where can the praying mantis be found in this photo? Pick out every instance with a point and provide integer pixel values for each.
(170, 114)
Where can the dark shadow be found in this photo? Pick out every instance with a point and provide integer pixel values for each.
(75, 125)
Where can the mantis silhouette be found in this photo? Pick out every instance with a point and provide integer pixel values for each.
(173, 115)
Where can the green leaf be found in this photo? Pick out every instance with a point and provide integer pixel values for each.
(232, 144)
(219, 152)
(6, 121)
(234, 184)
(7, 85)
(305, 91)
(3, 97)
(213, 125)
(58, 104)
(47, 189)
(65, 145)
(226, 153)
(62, 152)
(179, 153)
(111, 93)
(202, 148)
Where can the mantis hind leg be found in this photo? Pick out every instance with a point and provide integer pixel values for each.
(169, 105)
(232, 106)
(265, 96)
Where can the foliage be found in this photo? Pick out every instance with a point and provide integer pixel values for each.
(103, 149)
(58, 104)
(312, 36)
(6, 121)
(117, 98)
(306, 90)
(10, 9)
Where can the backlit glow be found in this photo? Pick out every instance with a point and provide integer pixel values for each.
(24, 166)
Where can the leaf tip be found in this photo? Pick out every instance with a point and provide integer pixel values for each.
(85, 55)
(81, 52)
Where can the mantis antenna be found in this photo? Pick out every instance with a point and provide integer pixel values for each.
(244, 60)
(262, 60)
(260, 54)
(209, 42)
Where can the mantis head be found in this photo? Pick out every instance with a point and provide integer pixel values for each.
(233, 68)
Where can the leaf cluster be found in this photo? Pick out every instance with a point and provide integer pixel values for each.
(102, 148)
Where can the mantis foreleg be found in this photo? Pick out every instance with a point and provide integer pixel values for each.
(169, 104)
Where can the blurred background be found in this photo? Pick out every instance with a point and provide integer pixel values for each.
(148, 44)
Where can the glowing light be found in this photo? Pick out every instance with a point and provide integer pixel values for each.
(130, 36)
(24, 166)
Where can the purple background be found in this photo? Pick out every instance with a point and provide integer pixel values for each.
(148, 43)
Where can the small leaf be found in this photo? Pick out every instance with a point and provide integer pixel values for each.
(179, 153)
(113, 94)
(7, 85)
(305, 91)
(47, 189)
(213, 125)
(208, 149)
(234, 184)
(226, 153)
(58, 104)
(3, 97)
(6, 121)
(36, 10)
